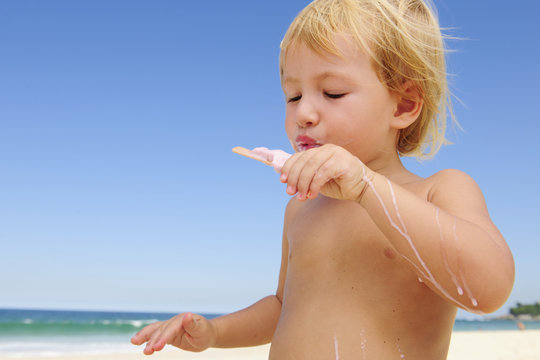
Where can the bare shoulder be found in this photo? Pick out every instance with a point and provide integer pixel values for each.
(454, 186)
(451, 175)
(458, 193)
(293, 206)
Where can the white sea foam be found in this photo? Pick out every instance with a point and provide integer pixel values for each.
(45, 347)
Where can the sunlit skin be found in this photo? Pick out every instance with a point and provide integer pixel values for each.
(349, 281)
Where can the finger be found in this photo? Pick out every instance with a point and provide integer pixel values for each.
(169, 332)
(287, 166)
(310, 170)
(144, 334)
(158, 340)
(149, 348)
(294, 169)
(195, 331)
(188, 323)
(326, 172)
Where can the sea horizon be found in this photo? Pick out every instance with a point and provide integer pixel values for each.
(212, 314)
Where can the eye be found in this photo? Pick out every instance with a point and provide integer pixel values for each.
(294, 99)
(334, 96)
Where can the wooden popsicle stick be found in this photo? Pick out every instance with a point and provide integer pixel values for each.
(247, 153)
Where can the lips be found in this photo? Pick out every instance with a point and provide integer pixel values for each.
(304, 142)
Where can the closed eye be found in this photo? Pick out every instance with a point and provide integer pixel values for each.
(294, 99)
(334, 96)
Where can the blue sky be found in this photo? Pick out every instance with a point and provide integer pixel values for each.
(118, 189)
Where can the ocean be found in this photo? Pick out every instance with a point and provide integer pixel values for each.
(48, 333)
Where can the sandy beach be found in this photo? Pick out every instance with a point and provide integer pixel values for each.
(495, 345)
(475, 345)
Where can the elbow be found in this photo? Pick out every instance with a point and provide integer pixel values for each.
(493, 277)
(492, 303)
(495, 291)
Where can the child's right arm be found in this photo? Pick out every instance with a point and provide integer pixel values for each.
(252, 326)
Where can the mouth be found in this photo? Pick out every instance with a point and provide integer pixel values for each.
(304, 142)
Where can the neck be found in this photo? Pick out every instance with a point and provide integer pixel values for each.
(389, 165)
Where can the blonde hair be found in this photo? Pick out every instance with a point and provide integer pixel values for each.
(404, 41)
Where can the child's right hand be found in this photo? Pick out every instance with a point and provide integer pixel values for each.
(186, 331)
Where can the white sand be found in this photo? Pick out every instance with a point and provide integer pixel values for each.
(495, 345)
(476, 345)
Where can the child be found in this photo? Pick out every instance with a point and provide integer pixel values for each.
(375, 260)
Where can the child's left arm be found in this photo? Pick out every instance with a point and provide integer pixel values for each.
(449, 240)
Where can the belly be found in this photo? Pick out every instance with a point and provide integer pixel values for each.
(335, 325)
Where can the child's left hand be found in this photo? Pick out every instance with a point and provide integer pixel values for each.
(330, 170)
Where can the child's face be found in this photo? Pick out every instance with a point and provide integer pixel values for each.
(337, 100)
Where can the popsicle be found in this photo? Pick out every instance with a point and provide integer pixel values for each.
(275, 158)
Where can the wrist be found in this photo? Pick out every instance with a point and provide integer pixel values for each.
(214, 329)
(366, 182)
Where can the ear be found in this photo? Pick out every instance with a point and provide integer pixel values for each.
(409, 104)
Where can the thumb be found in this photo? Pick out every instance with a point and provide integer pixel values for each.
(189, 323)
(199, 333)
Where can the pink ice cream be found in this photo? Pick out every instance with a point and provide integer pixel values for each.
(276, 157)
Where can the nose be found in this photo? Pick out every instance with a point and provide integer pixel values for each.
(306, 113)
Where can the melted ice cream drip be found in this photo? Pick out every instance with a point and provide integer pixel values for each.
(460, 267)
(401, 354)
(276, 158)
(336, 347)
(363, 342)
(445, 258)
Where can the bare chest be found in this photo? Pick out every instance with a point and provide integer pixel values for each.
(337, 253)
(329, 234)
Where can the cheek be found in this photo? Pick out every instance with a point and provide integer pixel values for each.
(351, 130)
(290, 129)
(347, 133)
(289, 123)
